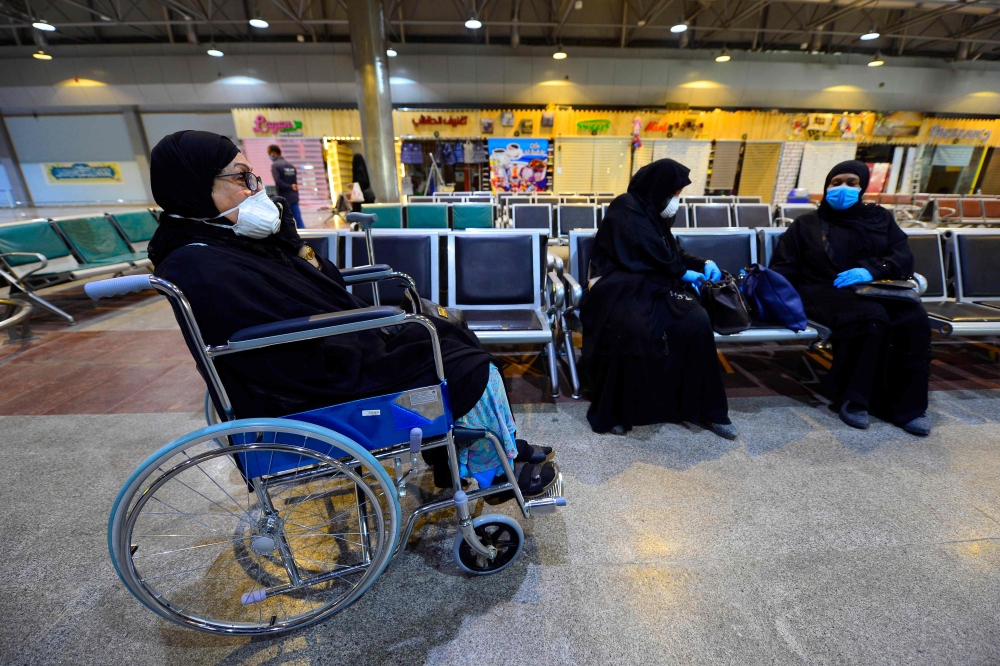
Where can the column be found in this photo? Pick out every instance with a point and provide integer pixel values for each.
(10, 164)
(140, 147)
(371, 70)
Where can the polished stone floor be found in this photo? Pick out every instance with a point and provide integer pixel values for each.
(804, 541)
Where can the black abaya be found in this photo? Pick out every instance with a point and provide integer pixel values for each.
(881, 349)
(648, 349)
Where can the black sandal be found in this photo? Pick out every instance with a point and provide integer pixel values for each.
(536, 455)
(533, 480)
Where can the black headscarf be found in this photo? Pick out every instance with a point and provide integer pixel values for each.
(657, 182)
(863, 221)
(182, 168)
(360, 171)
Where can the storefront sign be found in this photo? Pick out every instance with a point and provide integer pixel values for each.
(518, 165)
(594, 126)
(900, 123)
(452, 121)
(938, 132)
(277, 127)
(87, 173)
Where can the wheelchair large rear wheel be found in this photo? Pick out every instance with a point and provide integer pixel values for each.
(303, 538)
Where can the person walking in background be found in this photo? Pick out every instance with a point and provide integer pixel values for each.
(360, 170)
(286, 183)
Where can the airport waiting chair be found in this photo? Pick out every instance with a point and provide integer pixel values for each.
(412, 199)
(787, 213)
(694, 200)
(325, 242)
(137, 227)
(414, 252)
(390, 216)
(550, 199)
(95, 240)
(575, 216)
(33, 255)
(602, 200)
(767, 240)
(728, 200)
(479, 199)
(516, 200)
(971, 210)
(577, 199)
(946, 210)
(495, 278)
(752, 216)
(991, 211)
(748, 200)
(683, 218)
(426, 216)
(449, 198)
(975, 275)
(711, 215)
(531, 216)
(471, 216)
(870, 197)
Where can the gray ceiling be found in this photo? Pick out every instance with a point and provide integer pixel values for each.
(951, 30)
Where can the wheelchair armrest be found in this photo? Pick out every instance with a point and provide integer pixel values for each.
(365, 273)
(822, 330)
(575, 292)
(318, 326)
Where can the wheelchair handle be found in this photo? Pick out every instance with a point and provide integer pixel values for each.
(365, 220)
(115, 286)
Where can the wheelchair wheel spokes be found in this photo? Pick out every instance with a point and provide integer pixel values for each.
(203, 547)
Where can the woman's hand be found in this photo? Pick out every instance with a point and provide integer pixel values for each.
(852, 276)
(712, 272)
(693, 278)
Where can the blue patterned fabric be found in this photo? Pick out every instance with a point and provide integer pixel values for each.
(492, 412)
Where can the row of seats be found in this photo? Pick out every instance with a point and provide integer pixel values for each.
(46, 252)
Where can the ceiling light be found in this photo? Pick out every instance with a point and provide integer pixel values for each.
(876, 61)
(871, 34)
(391, 52)
(680, 26)
(578, 4)
(41, 55)
(641, 22)
(473, 24)
(44, 26)
(259, 23)
(215, 53)
(723, 57)
(560, 53)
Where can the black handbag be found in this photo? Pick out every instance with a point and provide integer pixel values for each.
(724, 303)
(892, 290)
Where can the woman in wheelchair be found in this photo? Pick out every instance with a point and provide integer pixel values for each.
(236, 255)
(881, 346)
(648, 348)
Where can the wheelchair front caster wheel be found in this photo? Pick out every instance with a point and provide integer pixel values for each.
(502, 533)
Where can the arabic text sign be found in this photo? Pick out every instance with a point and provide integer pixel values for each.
(87, 173)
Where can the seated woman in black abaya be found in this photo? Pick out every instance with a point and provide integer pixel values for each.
(648, 348)
(237, 257)
(881, 347)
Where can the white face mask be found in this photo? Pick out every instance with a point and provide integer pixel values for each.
(258, 217)
(672, 207)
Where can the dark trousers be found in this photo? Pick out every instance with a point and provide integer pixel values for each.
(297, 214)
(885, 366)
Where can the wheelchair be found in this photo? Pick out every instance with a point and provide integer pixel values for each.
(263, 525)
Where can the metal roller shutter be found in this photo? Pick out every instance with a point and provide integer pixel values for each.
(725, 163)
(760, 169)
(692, 153)
(817, 160)
(611, 172)
(574, 165)
(306, 155)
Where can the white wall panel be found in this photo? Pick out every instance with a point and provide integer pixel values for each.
(692, 153)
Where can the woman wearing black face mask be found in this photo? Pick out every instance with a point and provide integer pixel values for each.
(881, 348)
(648, 348)
(216, 241)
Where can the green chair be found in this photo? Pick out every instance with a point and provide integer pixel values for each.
(427, 216)
(390, 216)
(96, 241)
(471, 216)
(137, 226)
(33, 255)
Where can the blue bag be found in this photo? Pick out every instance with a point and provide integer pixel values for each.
(774, 297)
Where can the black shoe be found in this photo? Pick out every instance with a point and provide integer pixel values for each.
(618, 430)
(536, 455)
(533, 480)
(854, 415)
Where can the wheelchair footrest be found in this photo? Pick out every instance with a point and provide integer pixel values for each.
(550, 500)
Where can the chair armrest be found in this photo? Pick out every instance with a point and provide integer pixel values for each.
(41, 258)
(555, 292)
(574, 292)
(365, 273)
(782, 221)
(307, 328)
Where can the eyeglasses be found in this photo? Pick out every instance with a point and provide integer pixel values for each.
(251, 179)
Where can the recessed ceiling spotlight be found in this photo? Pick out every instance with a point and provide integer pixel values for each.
(473, 24)
(260, 23)
(870, 35)
(43, 25)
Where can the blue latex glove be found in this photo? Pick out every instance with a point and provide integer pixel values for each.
(693, 278)
(712, 272)
(852, 276)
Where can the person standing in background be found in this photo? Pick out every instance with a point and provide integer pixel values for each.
(286, 182)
